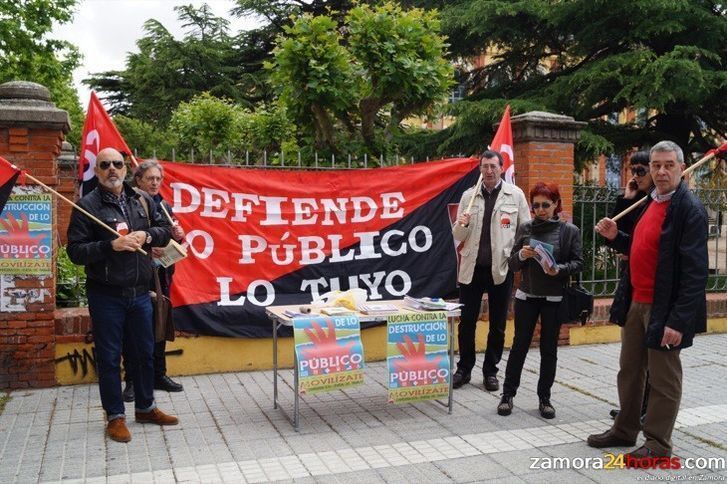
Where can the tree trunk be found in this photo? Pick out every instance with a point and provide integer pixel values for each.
(369, 107)
(323, 126)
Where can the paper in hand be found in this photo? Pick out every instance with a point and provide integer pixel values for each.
(544, 254)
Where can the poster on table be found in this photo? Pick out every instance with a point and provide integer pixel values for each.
(418, 357)
(329, 353)
(26, 225)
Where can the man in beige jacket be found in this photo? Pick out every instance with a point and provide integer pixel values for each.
(488, 233)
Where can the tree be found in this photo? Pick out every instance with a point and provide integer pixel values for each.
(26, 52)
(215, 128)
(167, 71)
(589, 59)
(389, 65)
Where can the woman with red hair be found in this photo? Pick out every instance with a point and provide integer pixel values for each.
(548, 251)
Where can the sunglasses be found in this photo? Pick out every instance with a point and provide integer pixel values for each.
(639, 170)
(105, 165)
(544, 205)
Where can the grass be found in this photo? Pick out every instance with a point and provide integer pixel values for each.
(3, 400)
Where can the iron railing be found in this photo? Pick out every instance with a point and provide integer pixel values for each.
(602, 265)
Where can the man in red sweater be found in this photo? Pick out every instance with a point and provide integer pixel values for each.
(659, 310)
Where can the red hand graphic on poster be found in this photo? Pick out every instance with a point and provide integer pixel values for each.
(326, 347)
(415, 362)
(18, 236)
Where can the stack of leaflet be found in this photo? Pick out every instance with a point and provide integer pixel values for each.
(430, 304)
(335, 311)
(378, 309)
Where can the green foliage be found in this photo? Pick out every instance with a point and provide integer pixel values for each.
(4, 399)
(26, 52)
(145, 138)
(217, 127)
(167, 71)
(589, 59)
(70, 282)
(389, 65)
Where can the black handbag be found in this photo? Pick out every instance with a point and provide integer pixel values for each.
(577, 302)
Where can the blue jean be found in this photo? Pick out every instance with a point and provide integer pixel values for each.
(123, 322)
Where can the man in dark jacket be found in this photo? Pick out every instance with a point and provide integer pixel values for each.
(117, 284)
(659, 311)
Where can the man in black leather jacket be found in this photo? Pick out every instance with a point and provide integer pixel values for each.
(660, 303)
(117, 283)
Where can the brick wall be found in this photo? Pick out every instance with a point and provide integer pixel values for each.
(31, 133)
(548, 162)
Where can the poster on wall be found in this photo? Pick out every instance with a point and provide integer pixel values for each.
(418, 357)
(329, 353)
(26, 226)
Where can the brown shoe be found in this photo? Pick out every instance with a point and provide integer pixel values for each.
(116, 430)
(156, 416)
(608, 439)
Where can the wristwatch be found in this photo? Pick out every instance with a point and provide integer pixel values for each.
(148, 238)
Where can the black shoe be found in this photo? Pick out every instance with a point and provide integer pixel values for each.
(608, 439)
(505, 406)
(167, 384)
(460, 379)
(128, 392)
(546, 409)
(491, 383)
(614, 413)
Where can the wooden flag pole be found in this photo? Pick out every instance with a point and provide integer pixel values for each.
(472, 198)
(86, 213)
(696, 165)
(164, 209)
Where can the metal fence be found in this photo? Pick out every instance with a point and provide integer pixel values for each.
(602, 265)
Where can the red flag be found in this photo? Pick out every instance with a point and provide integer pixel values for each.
(502, 143)
(99, 132)
(8, 176)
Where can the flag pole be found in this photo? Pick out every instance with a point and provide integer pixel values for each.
(474, 193)
(85, 212)
(696, 165)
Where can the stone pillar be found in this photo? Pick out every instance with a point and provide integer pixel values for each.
(67, 186)
(544, 151)
(31, 132)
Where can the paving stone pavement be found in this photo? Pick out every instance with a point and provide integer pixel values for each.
(229, 431)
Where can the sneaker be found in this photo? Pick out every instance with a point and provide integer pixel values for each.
(505, 406)
(546, 409)
(460, 379)
(491, 383)
(128, 392)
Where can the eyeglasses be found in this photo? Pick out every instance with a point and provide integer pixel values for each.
(638, 170)
(544, 205)
(105, 165)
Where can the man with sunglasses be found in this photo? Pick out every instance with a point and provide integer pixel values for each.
(487, 234)
(660, 303)
(117, 285)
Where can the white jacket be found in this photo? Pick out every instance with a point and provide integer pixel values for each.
(510, 211)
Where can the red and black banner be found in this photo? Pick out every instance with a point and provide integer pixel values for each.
(266, 237)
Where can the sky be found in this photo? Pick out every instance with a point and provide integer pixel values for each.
(105, 31)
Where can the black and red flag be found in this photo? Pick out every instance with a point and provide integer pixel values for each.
(264, 237)
(8, 176)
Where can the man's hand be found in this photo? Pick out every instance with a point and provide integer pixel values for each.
(527, 252)
(157, 252)
(607, 228)
(177, 232)
(464, 219)
(126, 242)
(671, 337)
(553, 271)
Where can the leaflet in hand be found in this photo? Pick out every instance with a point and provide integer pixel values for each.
(544, 255)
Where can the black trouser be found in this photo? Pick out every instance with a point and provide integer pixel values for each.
(526, 317)
(160, 362)
(498, 299)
